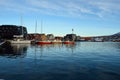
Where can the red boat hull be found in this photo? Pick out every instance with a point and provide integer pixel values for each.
(57, 42)
(43, 42)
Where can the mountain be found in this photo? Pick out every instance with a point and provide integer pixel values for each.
(117, 34)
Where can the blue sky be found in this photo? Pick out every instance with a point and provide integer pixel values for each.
(86, 17)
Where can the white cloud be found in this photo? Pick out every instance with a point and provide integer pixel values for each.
(64, 7)
(106, 7)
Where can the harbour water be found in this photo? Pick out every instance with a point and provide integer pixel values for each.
(82, 61)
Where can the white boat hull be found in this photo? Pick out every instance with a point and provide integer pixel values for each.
(21, 42)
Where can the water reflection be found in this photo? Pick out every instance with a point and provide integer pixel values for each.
(71, 47)
(116, 45)
(56, 62)
(57, 47)
(50, 51)
(14, 50)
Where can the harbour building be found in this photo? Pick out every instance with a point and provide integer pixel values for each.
(8, 31)
(70, 37)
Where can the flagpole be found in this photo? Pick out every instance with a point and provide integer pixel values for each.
(72, 31)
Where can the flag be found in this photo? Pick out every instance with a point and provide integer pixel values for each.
(72, 29)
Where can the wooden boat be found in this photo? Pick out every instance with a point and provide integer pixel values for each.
(68, 42)
(43, 42)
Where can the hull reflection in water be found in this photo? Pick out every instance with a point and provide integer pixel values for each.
(14, 50)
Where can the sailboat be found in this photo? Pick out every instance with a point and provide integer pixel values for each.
(42, 42)
(19, 38)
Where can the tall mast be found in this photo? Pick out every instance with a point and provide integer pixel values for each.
(36, 27)
(21, 20)
(41, 26)
(22, 24)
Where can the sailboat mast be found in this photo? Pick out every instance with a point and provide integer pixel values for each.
(41, 26)
(36, 27)
(22, 24)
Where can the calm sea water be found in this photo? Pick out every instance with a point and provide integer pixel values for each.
(83, 61)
